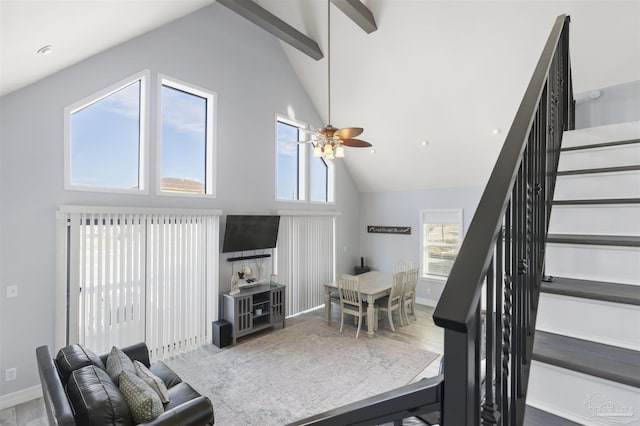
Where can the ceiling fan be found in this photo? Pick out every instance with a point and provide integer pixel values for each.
(329, 141)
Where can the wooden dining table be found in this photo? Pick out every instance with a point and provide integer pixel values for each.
(373, 286)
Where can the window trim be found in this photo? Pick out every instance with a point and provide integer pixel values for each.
(143, 146)
(211, 145)
(456, 216)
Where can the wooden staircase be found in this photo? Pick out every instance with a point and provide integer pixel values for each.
(586, 356)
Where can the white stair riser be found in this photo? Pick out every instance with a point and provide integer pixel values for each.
(595, 219)
(611, 133)
(598, 185)
(595, 263)
(577, 397)
(609, 323)
(621, 155)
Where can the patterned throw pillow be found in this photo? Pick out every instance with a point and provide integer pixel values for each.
(144, 403)
(117, 362)
(152, 380)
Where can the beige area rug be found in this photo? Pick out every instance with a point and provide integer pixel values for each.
(299, 371)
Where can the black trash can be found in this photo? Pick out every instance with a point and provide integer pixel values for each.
(221, 333)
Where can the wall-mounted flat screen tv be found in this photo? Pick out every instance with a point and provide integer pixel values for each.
(243, 233)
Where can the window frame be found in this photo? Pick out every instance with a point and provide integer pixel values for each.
(304, 168)
(302, 161)
(453, 216)
(143, 138)
(210, 173)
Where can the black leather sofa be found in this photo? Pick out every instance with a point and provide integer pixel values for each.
(77, 391)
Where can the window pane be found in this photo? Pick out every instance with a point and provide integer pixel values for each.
(288, 170)
(441, 244)
(105, 141)
(184, 141)
(319, 174)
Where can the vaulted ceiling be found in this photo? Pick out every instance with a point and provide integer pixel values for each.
(444, 72)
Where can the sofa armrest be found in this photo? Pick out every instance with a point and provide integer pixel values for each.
(56, 402)
(198, 411)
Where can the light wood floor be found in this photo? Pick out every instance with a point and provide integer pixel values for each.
(422, 333)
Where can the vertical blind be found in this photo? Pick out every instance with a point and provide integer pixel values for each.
(305, 259)
(141, 276)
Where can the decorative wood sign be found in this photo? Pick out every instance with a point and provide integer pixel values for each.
(403, 230)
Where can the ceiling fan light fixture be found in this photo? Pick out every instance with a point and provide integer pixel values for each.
(330, 140)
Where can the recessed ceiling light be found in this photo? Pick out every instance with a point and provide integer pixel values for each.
(45, 50)
(424, 143)
(496, 131)
(373, 151)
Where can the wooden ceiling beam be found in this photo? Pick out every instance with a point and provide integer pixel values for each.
(358, 13)
(276, 26)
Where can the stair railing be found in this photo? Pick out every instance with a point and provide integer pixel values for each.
(487, 349)
(503, 248)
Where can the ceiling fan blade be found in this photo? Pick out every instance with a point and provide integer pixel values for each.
(309, 131)
(355, 143)
(348, 132)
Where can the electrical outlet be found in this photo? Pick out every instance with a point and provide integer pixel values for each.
(12, 291)
(10, 374)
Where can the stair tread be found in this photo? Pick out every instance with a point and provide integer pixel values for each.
(598, 170)
(603, 240)
(536, 417)
(600, 145)
(620, 365)
(610, 292)
(597, 201)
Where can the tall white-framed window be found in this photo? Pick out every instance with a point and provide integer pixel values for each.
(291, 165)
(105, 138)
(441, 233)
(186, 155)
(299, 175)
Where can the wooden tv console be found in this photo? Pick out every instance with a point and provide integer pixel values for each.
(253, 309)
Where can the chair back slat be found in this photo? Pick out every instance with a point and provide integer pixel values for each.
(398, 285)
(401, 265)
(412, 280)
(349, 287)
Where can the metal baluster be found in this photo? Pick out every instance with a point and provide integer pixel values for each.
(508, 302)
(490, 414)
(498, 324)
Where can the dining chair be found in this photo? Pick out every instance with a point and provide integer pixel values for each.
(393, 302)
(351, 300)
(409, 294)
(401, 265)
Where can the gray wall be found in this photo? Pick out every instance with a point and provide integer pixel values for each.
(616, 104)
(212, 48)
(403, 209)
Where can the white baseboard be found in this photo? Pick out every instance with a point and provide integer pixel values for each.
(426, 302)
(20, 397)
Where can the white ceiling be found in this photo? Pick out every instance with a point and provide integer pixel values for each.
(448, 72)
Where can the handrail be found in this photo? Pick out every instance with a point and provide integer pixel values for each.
(504, 248)
(422, 397)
